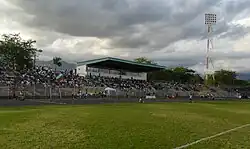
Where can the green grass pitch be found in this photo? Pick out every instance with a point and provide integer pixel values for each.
(125, 126)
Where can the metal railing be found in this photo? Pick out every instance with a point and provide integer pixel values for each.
(50, 92)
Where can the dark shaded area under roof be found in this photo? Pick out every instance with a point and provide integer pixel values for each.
(120, 64)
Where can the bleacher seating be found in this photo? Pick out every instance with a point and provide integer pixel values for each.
(42, 81)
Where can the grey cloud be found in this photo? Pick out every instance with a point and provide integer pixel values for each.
(129, 42)
(179, 59)
(75, 17)
(147, 11)
(184, 63)
(88, 18)
(224, 30)
(234, 7)
(163, 22)
(70, 57)
(192, 59)
(237, 31)
(231, 55)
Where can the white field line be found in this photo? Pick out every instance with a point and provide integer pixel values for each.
(211, 137)
(61, 103)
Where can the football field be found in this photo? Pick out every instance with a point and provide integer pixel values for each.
(199, 125)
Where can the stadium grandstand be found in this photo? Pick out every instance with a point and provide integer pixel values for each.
(94, 77)
(114, 67)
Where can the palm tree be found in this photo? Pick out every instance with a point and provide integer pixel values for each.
(57, 61)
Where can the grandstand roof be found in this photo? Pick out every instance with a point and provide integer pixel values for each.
(116, 63)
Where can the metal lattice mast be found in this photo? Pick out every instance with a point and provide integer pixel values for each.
(210, 20)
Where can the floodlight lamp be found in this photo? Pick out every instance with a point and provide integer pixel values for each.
(210, 19)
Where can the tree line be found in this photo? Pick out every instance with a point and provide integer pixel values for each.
(187, 75)
(20, 55)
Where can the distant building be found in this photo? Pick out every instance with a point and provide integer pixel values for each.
(114, 67)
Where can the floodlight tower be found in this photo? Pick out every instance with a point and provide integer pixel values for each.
(210, 20)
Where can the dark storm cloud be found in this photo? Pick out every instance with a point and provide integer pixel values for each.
(74, 17)
(163, 21)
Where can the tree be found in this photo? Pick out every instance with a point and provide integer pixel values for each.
(197, 79)
(177, 74)
(144, 60)
(16, 53)
(2, 62)
(225, 77)
(238, 82)
(185, 75)
(162, 75)
(57, 61)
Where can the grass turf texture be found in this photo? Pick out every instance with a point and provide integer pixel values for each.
(123, 126)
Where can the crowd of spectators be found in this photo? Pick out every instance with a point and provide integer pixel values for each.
(45, 76)
(5, 78)
(40, 75)
(243, 91)
(177, 86)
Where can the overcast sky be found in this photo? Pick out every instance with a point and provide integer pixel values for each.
(170, 32)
